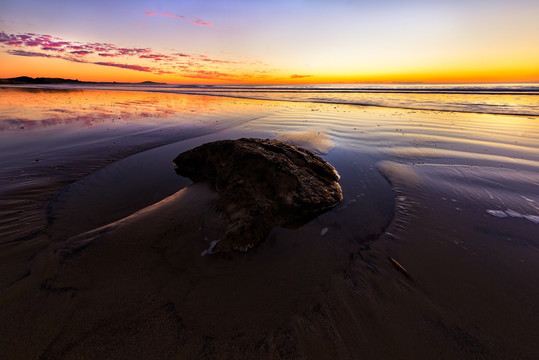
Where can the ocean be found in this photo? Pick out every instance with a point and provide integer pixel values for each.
(510, 99)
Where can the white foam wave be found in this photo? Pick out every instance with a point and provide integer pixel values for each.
(514, 214)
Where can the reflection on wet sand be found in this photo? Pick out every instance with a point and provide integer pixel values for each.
(50, 138)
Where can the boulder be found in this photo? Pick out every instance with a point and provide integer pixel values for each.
(262, 183)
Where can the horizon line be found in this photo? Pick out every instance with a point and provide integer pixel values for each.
(381, 82)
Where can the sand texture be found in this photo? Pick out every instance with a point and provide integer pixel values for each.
(432, 252)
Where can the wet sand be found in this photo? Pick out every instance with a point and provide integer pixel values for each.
(96, 276)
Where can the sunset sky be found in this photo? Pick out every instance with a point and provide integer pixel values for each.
(277, 41)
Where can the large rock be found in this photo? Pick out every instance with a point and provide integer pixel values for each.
(262, 183)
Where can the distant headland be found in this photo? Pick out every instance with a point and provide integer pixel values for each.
(45, 80)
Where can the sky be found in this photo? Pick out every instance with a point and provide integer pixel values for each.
(271, 42)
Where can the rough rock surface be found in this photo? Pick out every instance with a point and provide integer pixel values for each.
(262, 183)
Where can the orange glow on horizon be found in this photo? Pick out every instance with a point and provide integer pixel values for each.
(57, 68)
(273, 42)
(515, 71)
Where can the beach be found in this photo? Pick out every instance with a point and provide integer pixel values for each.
(432, 253)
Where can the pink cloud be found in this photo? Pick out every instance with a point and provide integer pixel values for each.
(296, 76)
(49, 43)
(52, 48)
(164, 14)
(201, 22)
(74, 59)
(216, 61)
(76, 47)
(184, 64)
(31, 40)
(57, 43)
(81, 52)
(207, 74)
(11, 39)
(101, 47)
(133, 51)
(29, 53)
(156, 57)
(164, 72)
(126, 66)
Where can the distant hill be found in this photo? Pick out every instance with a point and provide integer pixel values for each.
(29, 80)
(150, 83)
(43, 80)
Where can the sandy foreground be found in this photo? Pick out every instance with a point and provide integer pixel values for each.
(409, 266)
(138, 288)
(149, 293)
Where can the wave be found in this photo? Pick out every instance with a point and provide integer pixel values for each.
(466, 89)
(506, 99)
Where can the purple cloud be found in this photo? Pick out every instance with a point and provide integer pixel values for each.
(29, 53)
(133, 51)
(52, 48)
(156, 57)
(126, 66)
(81, 52)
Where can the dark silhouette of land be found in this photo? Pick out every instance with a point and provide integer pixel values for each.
(44, 80)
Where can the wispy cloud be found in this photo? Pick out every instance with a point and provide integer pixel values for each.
(108, 55)
(133, 51)
(201, 22)
(164, 14)
(157, 57)
(193, 21)
(126, 66)
(81, 52)
(52, 48)
(29, 53)
(205, 74)
(297, 76)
